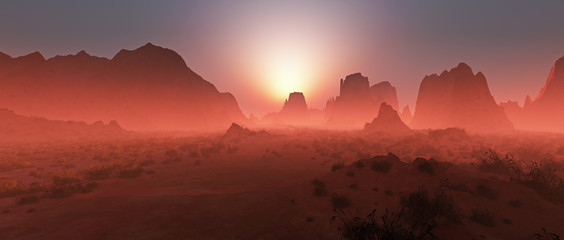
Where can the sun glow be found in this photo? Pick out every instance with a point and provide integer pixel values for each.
(286, 70)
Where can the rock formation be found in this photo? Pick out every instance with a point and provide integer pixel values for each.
(458, 98)
(149, 88)
(358, 103)
(388, 121)
(406, 115)
(545, 112)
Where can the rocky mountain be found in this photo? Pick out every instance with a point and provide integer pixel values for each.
(358, 102)
(458, 98)
(406, 115)
(15, 128)
(294, 112)
(149, 88)
(545, 112)
(385, 92)
(388, 121)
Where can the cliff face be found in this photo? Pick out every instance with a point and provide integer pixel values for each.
(149, 88)
(458, 98)
(358, 102)
(545, 112)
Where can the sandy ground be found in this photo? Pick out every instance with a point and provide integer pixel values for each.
(261, 187)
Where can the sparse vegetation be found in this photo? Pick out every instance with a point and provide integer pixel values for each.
(420, 207)
(381, 165)
(337, 166)
(483, 217)
(391, 225)
(319, 188)
(340, 201)
(65, 183)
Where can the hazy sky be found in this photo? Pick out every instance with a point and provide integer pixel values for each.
(261, 50)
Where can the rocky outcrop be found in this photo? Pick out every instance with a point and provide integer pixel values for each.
(406, 115)
(458, 98)
(149, 88)
(544, 113)
(388, 121)
(358, 102)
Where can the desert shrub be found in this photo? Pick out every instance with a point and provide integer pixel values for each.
(99, 172)
(420, 207)
(350, 174)
(319, 188)
(12, 188)
(65, 183)
(14, 164)
(389, 192)
(484, 190)
(337, 166)
(491, 162)
(27, 200)
(544, 235)
(537, 175)
(544, 181)
(389, 226)
(515, 203)
(354, 186)
(340, 201)
(506, 221)
(381, 165)
(483, 217)
(130, 170)
(359, 164)
(426, 166)
(461, 187)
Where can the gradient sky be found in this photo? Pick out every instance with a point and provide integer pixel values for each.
(261, 50)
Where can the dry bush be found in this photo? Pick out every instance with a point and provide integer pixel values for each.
(14, 164)
(389, 226)
(337, 166)
(319, 188)
(340, 201)
(381, 164)
(544, 235)
(99, 172)
(483, 217)
(426, 166)
(12, 188)
(65, 183)
(420, 207)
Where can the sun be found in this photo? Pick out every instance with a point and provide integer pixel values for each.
(286, 70)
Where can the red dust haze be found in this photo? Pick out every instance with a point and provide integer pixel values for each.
(281, 120)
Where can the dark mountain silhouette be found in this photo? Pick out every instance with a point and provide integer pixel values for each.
(294, 111)
(357, 102)
(458, 98)
(16, 128)
(388, 120)
(544, 113)
(149, 88)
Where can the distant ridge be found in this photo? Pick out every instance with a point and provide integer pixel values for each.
(148, 88)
